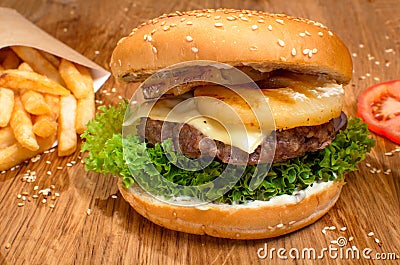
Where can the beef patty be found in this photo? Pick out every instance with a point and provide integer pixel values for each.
(290, 143)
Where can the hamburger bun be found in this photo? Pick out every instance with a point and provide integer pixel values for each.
(256, 220)
(237, 37)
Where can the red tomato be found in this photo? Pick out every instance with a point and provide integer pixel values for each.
(379, 107)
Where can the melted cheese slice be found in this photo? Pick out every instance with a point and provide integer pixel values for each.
(183, 110)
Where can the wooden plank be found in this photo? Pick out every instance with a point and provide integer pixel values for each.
(113, 233)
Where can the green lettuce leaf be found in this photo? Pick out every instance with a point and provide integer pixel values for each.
(103, 141)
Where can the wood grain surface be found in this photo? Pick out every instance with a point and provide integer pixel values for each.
(113, 233)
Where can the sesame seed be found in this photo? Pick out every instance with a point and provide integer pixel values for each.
(230, 18)
(343, 228)
(155, 52)
(280, 21)
(21, 204)
(189, 38)
(332, 228)
(315, 50)
(377, 79)
(88, 211)
(218, 24)
(388, 154)
(281, 43)
(302, 34)
(253, 48)
(195, 50)
(260, 21)
(377, 240)
(389, 50)
(350, 239)
(283, 59)
(217, 17)
(294, 52)
(165, 28)
(320, 34)
(330, 33)
(114, 196)
(306, 51)
(145, 37)
(371, 234)
(307, 33)
(244, 18)
(333, 242)
(361, 45)
(279, 225)
(354, 54)
(323, 231)
(149, 38)
(254, 27)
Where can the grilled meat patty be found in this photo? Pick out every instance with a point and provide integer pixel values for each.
(290, 143)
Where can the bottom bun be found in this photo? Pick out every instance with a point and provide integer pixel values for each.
(254, 220)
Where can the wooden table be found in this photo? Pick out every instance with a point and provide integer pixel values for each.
(113, 233)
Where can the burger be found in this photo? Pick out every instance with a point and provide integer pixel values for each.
(300, 69)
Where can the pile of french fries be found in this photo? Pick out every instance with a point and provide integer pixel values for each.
(43, 98)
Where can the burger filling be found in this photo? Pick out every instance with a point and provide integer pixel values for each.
(289, 143)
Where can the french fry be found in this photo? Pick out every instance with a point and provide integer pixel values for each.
(16, 153)
(25, 67)
(46, 125)
(54, 60)
(73, 79)
(54, 104)
(34, 102)
(35, 59)
(85, 111)
(11, 61)
(18, 80)
(21, 125)
(7, 106)
(6, 137)
(67, 138)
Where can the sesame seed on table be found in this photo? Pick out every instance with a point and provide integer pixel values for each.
(54, 212)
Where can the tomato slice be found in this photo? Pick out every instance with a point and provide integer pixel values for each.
(379, 107)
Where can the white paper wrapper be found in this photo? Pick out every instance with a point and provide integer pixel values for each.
(17, 30)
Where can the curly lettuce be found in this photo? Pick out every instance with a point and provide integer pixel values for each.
(104, 142)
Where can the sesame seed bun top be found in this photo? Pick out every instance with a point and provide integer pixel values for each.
(237, 37)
